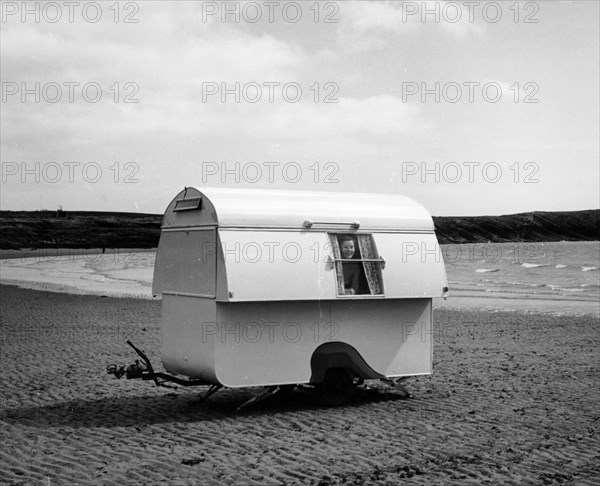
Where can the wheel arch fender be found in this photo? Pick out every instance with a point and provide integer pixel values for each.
(338, 354)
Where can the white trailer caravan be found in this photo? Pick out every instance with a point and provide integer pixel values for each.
(274, 288)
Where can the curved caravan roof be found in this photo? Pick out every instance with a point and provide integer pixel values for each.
(254, 208)
(256, 245)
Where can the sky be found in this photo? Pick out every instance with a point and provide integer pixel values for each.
(470, 108)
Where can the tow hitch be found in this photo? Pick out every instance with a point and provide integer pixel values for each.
(143, 370)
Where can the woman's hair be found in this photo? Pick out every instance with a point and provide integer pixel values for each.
(343, 238)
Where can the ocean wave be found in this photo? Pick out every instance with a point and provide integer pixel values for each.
(534, 265)
(522, 284)
(560, 266)
(487, 270)
(588, 269)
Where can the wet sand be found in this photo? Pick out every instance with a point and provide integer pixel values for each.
(513, 400)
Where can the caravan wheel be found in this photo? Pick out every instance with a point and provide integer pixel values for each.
(285, 390)
(337, 387)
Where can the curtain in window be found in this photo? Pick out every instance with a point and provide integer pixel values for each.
(338, 265)
(367, 250)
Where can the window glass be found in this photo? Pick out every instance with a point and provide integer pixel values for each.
(357, 264)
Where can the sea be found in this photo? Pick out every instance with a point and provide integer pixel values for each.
(568, 270)
(536, 276)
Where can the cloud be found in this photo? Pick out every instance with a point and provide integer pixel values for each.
(367, 16)
(227, 54)
(166, 68)
(373, 116)
(410, 17)
(162, 68)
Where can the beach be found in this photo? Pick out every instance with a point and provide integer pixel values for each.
(512, 400)
(334, 243)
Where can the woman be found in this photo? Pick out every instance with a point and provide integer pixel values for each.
(352, 270)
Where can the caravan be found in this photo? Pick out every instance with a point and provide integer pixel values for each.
(281, 288)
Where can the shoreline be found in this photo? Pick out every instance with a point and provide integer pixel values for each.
(48, 254)
(54, 288)
(461, 303)
(128, 273)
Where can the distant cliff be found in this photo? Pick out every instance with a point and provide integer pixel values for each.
(534, 226)
(80, 229)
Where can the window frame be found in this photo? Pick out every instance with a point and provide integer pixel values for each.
(376, 262)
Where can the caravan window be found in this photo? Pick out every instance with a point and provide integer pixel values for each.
(357, 264)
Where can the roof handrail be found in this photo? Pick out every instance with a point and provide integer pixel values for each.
(310, 224)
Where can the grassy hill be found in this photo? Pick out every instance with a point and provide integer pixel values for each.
(78, 229)
(82, 229)
(535, 226)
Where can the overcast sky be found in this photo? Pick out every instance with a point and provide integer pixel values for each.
(469, 109)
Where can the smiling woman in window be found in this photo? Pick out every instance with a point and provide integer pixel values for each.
(357, 264)
(352, 270)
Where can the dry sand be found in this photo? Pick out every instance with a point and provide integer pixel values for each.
(513, 400)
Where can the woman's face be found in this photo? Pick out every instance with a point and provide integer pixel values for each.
(347, 249)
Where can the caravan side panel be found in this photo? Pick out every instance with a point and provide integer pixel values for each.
(188, 337)
(277, 265)
(414, 265)
(259, 344)
(393, 336)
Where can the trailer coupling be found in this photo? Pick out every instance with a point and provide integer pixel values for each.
(143, 370)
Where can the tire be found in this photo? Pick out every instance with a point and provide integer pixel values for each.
(285, 391)
(337, 387)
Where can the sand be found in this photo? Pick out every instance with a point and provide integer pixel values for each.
(513, 400)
